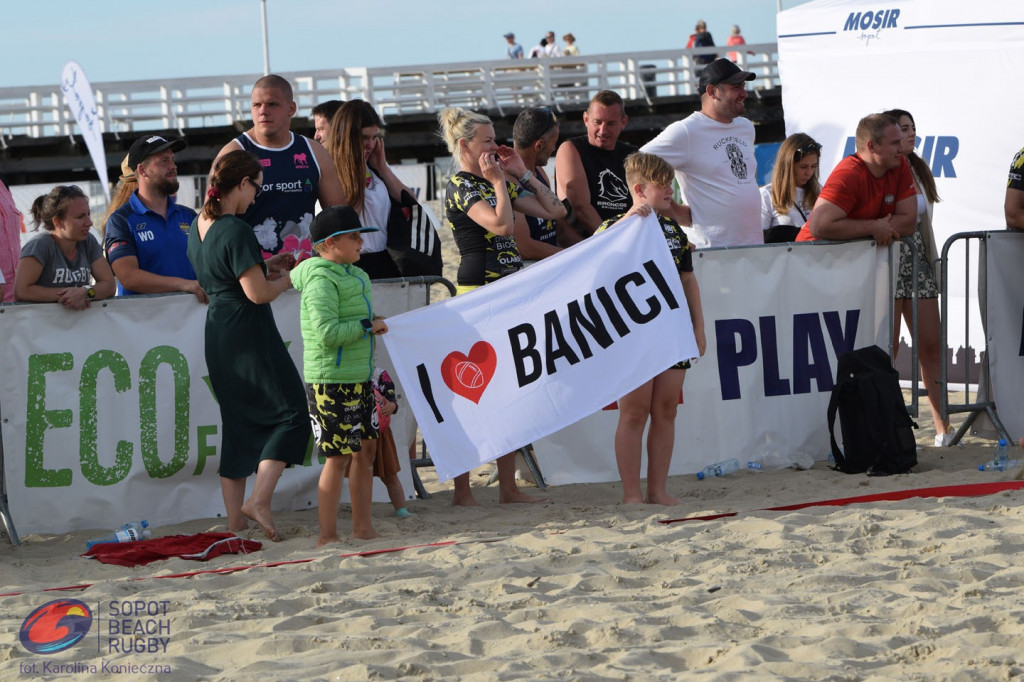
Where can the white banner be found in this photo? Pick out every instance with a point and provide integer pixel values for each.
(509, 363)
(1005, 316)
(78, 95)
(776, 320)
(108, 417)
(840, 60)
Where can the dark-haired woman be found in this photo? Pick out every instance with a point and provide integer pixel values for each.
(370, 186)
(261, 397)
(929, 329)
(65, 264)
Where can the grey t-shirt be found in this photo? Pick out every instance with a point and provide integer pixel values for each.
(58, 271)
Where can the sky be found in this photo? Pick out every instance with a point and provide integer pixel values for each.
(116, 40)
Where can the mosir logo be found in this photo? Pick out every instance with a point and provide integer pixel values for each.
(870, 23)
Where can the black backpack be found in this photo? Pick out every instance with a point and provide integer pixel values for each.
(877, 429)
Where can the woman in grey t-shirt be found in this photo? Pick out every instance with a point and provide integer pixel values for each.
(66, 264)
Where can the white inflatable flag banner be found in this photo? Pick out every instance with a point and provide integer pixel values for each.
(78, 95)
(497, 368)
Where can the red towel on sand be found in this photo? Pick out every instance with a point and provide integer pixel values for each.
(198, 547)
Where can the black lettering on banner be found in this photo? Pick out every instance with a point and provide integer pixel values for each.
(591, 322)
(659, 281)
(428, 392)
(613, 313)
(521, 352)
(630, 305)
(556, 345)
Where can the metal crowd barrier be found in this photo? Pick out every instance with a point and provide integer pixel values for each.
(983, 402)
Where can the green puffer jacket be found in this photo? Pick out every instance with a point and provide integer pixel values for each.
(335, 299)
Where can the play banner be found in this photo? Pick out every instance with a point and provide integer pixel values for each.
(1005, 316)
(108, 415)
(509, 363)
(776, 318)
(79, 98)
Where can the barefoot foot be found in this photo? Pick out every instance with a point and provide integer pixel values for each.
(330, 540)
(519, 497)
(261, 515)
(663, 499)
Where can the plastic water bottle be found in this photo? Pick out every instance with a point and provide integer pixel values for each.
(997, 465)
(1002, 451)
(776, 460)
(129, 532)
(719, 469)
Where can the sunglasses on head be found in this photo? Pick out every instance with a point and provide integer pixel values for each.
(808, 148)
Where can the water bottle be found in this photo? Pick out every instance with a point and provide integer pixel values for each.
(129, 532)
(719, 469)
(1002, 451)
(996, 465)
(777, 460)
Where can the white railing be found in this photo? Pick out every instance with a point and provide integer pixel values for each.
(502, 85)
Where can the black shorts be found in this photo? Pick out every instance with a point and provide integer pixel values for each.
(342, 417)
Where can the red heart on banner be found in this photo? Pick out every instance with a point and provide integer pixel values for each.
(468, 376)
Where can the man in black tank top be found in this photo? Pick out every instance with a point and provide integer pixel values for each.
(535, 137)
(589, 169)
(297, 171)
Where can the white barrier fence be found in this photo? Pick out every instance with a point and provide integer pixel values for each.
(183, 103)
(107, 416)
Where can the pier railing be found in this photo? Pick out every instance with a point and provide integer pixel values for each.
(124, 107)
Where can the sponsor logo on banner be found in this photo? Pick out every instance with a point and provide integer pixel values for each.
(869, 24)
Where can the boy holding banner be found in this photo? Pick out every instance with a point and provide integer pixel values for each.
(650, 183)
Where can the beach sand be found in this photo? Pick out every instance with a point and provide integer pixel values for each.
(578, 588)
(582, 587)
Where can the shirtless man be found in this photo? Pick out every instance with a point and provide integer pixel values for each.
(297, 172)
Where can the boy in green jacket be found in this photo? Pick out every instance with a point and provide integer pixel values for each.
(338, 327)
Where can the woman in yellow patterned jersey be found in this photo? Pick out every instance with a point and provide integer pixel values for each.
(492, 180)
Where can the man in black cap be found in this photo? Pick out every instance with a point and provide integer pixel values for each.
(146, 238)
(712, 151)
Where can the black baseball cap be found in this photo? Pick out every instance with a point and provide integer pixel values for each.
(144, 147)
(722, 71)
(335, 220)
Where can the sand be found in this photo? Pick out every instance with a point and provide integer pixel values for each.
(583, 588)
(579, 588)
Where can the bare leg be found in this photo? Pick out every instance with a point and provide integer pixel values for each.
(395, 492)
(662, 434)
(508, 489)
(929, 356)
(634, 408)
(257, 507)
(463, 493)
(233, 490)
(328, 493)
(360, 490)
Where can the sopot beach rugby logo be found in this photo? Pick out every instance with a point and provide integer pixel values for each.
(55, 626)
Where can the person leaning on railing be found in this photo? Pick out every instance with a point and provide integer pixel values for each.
(788, 199)
(65, 264)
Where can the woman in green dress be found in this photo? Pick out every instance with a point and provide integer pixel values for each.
(265, 426)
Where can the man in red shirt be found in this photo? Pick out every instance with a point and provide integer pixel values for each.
(870, 194)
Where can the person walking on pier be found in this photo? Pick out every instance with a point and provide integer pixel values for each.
(297, 172)
(146, 239)
(514, 50)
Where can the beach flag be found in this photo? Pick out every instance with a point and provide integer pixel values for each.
(511, 362)
(78, 95)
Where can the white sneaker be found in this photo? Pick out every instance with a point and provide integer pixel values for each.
(945, 440)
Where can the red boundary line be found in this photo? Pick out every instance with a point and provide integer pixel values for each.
(968, 490)
(236, 569)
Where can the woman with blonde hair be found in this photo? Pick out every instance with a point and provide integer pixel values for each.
(479, 203)
(929, 328)
(787, 200)
(355, 143)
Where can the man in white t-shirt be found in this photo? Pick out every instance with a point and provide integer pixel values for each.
(712, 151)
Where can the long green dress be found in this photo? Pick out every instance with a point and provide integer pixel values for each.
(261, 397)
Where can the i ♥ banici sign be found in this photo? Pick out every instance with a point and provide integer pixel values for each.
(511, 362)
